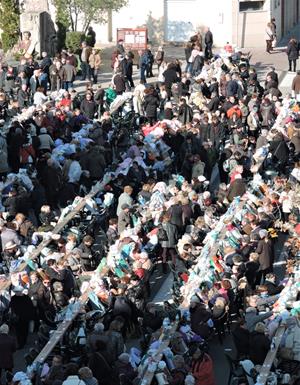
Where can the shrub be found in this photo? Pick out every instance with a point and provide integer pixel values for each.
(74, 40)
(9, 23)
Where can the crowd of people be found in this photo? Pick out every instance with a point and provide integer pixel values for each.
(175, 156)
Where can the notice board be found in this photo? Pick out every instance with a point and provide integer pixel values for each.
(133, 38)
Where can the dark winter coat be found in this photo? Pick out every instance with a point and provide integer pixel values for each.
(100, 368)
(170, 76)
(272, 288)
(241, 338)
(176, 215)
(236, 188)
(259, 347)
(151, 104)
(199, 318)
(119, 83)
(265, 252)
(231, 88)
(185, 114)
(95, 163)
(267, 113)
(88, 108)
(213, 104)
(171, 231)
(8, 346)
(293, 50)
(22, 307)
(279, 150)
(208, 38)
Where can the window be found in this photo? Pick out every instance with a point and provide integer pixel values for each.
(246, 6)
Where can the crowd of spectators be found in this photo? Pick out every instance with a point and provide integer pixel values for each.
(171, 165)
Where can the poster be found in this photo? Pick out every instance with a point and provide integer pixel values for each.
(133, 38)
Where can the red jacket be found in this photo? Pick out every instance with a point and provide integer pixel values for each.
(203, 371)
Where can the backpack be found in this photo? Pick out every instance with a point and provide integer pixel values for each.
(162, 234)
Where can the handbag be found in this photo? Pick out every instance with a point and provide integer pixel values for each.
(286, 353)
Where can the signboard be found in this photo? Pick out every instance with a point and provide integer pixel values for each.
(133, 38)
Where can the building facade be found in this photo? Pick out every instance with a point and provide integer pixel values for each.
(241, 22)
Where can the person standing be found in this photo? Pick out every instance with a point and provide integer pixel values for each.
(55, 81)
(68, 75)
(120, 46)
(296, 84)
(95, 63)
(209, 41)
(124, 218)
(159, 56)
(265, 256)
(144, 63)
(8, 346)
(119, 83)
(169, 241)
(22, 311)
(85, 55)
(269, 37)
(129, 70)
(150, 63)
(202, 368)
(292, 53)
(125, 198)
(91, 37)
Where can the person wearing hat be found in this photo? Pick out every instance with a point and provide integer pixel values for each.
(22, 311)
(8, 345)
(259, 344)
(11, 253)
(124, 218)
